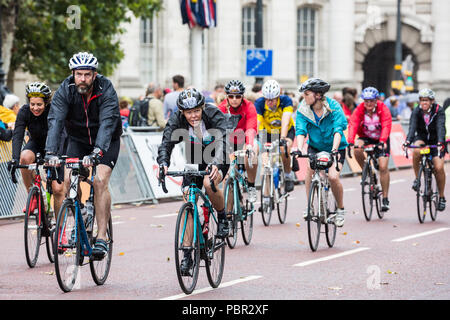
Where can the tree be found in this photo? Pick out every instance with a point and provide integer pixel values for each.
(48, 33)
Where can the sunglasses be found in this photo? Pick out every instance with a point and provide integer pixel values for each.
(234, 96)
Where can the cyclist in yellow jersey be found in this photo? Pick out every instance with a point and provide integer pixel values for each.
(275, 122)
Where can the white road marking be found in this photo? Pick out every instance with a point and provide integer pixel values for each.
(349, 189)
(397, 181)
(223, 285)
(420, 234)
(334, 256)
(118, 222)
(166, 215)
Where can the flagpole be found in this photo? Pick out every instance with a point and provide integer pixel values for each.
(197, 57)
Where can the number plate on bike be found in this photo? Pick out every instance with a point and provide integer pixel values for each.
(72, 163)
(425, 151)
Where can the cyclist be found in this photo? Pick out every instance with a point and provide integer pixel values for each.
(275, 121)
(427, 126)
(322, 119)
(205, 127)
(33, 117)
(372, 122)
(87, 104)
(246, 129)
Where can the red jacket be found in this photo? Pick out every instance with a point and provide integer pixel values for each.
(248, 122)
(357, 119)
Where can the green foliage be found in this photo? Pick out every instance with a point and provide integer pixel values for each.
(47, 33)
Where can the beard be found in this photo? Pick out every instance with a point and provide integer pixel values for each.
(83, 88)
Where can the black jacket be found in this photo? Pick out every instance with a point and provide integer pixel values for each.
(95, 122)
(213, 119)
(37, 127)
(434, 132)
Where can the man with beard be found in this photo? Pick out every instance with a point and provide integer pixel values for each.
(86, 104)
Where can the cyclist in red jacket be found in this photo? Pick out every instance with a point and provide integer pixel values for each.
(372, 122)
(246, 129)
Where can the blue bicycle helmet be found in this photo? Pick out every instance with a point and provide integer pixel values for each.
(369, 93)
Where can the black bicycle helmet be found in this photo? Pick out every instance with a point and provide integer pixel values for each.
(235, 86)
(39, 90)
(315, 85)
(190, 99)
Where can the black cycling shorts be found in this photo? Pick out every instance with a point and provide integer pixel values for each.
(37, 148)
(79, 150)
(265, 137)
(433, 151)
(199, 180)
(367, 141)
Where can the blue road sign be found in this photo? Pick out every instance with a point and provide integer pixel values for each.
(259, 62)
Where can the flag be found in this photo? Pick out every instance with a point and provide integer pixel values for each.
(199, 12)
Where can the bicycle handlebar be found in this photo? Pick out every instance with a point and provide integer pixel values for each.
(185, 173)
(364, 147)
(432, 146)
(299, 154)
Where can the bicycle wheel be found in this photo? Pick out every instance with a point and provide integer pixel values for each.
(230, 208)
(184, 229)
(367, 191)
(421, 195)
(434, 198)
(100, 268)
(214, 254)
(266, 199)
(330, 228)
(67, 247)
(313, 217)
(282, 198)
(32, 228)
(247, 217)
(50, 225)
(377, 195)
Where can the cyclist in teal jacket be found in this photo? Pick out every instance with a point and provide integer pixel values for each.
(323, 120)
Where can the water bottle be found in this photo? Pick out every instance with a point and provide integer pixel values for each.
(206, 220)
(89, 215)
(276, 176)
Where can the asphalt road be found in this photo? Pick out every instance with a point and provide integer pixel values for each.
(393, 258)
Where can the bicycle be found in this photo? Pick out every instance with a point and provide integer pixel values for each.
(321, 203)
(37, 223)
(76, 234)
(199, 236)
(273, 179)
(236, 200)
(370, 189)
(427, 194)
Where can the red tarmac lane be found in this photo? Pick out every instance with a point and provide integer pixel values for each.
(393, 258)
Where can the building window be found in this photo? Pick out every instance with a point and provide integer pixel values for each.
(306, 42)
(147, 50)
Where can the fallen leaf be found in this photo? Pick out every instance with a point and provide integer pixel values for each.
(132, 218)
(168, 259)
(392, 272)
(394, 226)
(335, 288)
(439, 283)
(117, 206)
(121, 254)
(50, 273)
(384, 283)
(344, 233)
(357, 242)
(297, 224)
(415, 244)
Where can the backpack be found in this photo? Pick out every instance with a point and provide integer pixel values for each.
(138, 113)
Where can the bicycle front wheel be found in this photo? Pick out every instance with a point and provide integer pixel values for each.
(313, 217)
(215, 254)
(100, 268)
(330, 227)
(377, 195)
(367, 188)
(282, 197)
(434, 198)
(266, 199)
(66, 246)
(32, 228)
(247, 218)
(421, 195)
(230, 208)
(184, 235)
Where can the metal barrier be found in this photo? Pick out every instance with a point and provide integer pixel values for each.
(13, 197)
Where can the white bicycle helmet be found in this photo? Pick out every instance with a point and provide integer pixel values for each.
(271, 89)
(83, 60)
(427, 93)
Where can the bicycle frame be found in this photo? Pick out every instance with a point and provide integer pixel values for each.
(273, 161)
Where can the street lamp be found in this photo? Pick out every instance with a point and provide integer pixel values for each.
(3, 89)
(397, 83)
(259, 31)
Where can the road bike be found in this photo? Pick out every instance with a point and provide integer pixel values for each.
(321, 203)
(237, 204)
(39, 221)
(76, 233)
(197, 233)
(371, 191)
(273, 183)
(427, 193)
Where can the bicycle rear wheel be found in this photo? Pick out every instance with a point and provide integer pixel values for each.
(313, 217)
(421, 195)
(282, 198)
(67, 247)
(214, 254)
(330, 228)
(50, 224)
(230, 208)
(367, 191)
(377, 195)
(100, 268)
(32, 228)
(434, 198)
(247, 218)
(266, 199)
(184, 233)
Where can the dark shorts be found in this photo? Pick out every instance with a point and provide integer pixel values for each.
(79, 150)
(387, 152)
(433, 151)
(37, 148)
(199, 180)
(312, 150)
(265, 137)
